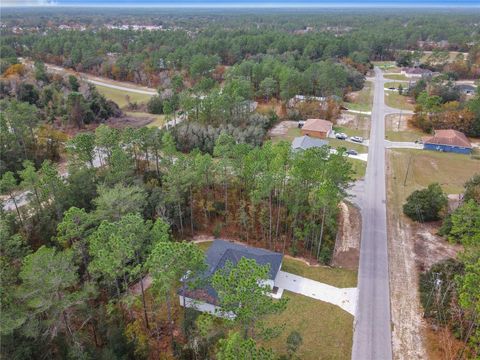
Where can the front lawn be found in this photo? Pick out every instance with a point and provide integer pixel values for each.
(361, 100)
(120, 96)
(397, 101)
(159, 120)
(396, 77)
(397, 128)
(450, 170)
(359, 168)
(337, 277)
(337, 143)
(387, 66)
(326, 330)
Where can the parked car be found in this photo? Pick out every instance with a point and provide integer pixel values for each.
(301, 123)
(341, 136)
(352, 152)
(357, 139)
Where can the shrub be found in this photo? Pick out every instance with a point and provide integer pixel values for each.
(155, 105)
(426, 204)
(294, 341)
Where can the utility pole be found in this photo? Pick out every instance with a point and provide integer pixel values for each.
(408, 169)
(399, 120)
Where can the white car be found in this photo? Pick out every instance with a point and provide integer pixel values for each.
(357, 139)
(341, 136)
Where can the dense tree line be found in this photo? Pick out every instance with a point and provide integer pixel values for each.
(84, 239)
(450, 289)
(35, 109)
(441, 105)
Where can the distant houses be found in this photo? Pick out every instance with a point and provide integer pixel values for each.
(448, 141)
(302, 98)
(416, 72)
(205, 298)
(317, 128)
(306, 142)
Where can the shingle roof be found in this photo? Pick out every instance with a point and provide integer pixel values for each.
(318, 125)
(448, 137)
(222, 251)
(307, 142)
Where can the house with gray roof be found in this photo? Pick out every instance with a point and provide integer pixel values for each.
(205, 298)
(306, 142)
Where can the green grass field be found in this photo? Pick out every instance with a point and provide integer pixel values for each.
(395, 77)
(326, 330)
(359, 168)
(387, 66)
(363, 99)
(119, 96)
(158, 121)
(329, 275)
(336, 143)
(450, 170)
(397, 101)
(362, 130)
(395, 84)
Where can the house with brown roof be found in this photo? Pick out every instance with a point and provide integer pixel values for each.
(448, 140)
(317, 128)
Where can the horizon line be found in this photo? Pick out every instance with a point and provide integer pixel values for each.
(253, 5)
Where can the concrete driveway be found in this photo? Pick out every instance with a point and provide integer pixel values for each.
(345, 298)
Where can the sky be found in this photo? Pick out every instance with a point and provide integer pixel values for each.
(248, 3)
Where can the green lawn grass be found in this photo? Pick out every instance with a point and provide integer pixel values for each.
(119, 96)
(396, 77)
(291, 134)
(408, 136)
(158, 121)
(362, 130)
(336, 143)
(395, 84)
(387, 66)
(450, 170)
(363, 100)
(329, 275)
(397, 101)
(326, 330)
(359, 168)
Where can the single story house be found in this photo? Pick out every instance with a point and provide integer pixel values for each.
(449, 141)
(302, 98)
(306, 142)
(317, 128)
(205, 298)
(416, 72)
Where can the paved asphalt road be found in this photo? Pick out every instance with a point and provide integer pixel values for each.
(372, 338)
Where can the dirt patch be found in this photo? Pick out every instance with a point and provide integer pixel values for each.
(397, 122)
(429, 247)
(407, 322)
(264, 107)
(282, 127)
(347, 246)
(413, 247)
